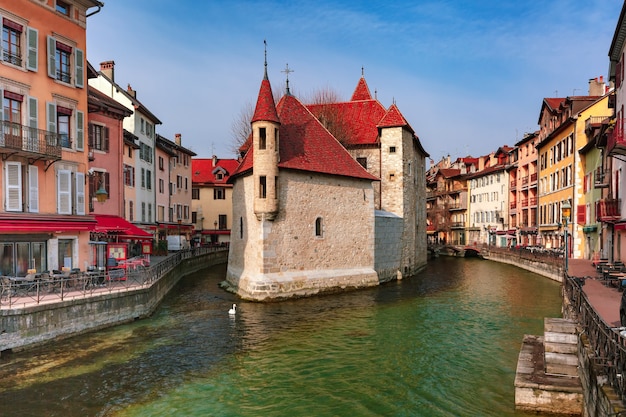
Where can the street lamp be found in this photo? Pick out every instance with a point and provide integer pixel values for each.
(566, 211)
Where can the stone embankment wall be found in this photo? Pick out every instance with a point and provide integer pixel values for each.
(553, 271)
(34, 325)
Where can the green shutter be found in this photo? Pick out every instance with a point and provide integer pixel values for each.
(33, 56)
(79, 66)
(52, 59)
(32, 113)
(51, 117)
(33, 189)
(80, 193)
(80, 130)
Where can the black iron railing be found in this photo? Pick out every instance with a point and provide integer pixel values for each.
(608, 344)
(26, 140)
(16, 292)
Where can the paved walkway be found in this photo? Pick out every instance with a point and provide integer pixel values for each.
(605, 300)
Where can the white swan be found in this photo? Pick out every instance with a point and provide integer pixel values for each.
(233, 309)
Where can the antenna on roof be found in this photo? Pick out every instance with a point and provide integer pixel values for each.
(287, 71)
(362, 71)
(375, 94)
(265, 50)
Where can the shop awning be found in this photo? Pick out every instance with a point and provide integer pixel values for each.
(120, 227)
(45, 224)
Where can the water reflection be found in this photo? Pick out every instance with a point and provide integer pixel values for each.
(442, 343)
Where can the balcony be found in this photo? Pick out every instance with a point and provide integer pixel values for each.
(533, 179)
(615, 143)
(456, 206)
(608, 210)
(16, 139)
(513, 185)
(513, 205)
(457, 225)
(601, 177)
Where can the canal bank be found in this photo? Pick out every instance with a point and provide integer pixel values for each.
(576, 366)
(32, 324)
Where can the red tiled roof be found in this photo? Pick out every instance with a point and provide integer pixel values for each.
(203, 171)
(361, 92)
(265, 106)
(306, 145)
(393, 118)
(449, 172)
(360, 117)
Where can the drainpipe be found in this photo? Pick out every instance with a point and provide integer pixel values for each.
(99, 7)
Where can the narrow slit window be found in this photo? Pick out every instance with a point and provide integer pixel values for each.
(262, 138)
(318, 227)
(262, 186)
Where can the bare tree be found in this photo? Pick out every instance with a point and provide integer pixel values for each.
(327, 112)
(241, 127)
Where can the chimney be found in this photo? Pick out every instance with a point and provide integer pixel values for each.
(597, 86)
(214, 161)
(177, 139)
(130, 91)
(108, 69)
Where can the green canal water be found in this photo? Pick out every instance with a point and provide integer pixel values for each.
(443, 343)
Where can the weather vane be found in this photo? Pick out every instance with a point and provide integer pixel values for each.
(287, 71)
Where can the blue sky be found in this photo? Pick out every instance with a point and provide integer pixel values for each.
(469, 76)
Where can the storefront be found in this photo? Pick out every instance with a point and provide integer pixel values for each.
(41, 243)
(114, 237)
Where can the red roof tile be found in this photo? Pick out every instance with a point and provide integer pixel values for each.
(361, 92)
(306, 145)
(203, 171)
(360, 117)
(393, 118)
(265, 107)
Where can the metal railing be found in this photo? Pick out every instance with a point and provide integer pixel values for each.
(608, 345)
(48, 288)
(29, 141)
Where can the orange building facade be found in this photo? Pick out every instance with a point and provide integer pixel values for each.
(44, 213)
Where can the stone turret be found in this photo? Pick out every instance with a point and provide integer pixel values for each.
(265, 128)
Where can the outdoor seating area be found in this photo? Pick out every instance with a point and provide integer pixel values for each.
(612, 274)
(55, 284)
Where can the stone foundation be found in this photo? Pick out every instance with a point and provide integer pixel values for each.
(273, 287)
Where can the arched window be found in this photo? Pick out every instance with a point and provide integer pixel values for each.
(318, 227)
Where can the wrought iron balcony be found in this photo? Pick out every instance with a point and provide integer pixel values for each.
(608, 210)
(29, 142)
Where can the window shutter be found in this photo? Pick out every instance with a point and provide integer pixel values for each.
(80, 130)
(90, 129)
(80, 193)
(33, 55)
(64, 192)
(106, 139)
(51, 117)
(13, 186)
(33, 115)
(52, 63)
(79, 66)
(33, 189)
(581, 215)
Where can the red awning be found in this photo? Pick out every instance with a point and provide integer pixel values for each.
(118, 225)
(45, 224)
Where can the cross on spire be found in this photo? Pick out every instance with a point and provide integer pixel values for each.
(287, 71)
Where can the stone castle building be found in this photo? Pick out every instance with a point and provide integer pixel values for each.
(327, 197)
